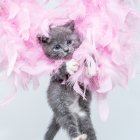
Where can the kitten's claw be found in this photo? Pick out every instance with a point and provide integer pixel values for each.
(72, 66)
(81, 137)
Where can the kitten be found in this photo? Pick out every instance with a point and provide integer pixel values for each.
(71, 112)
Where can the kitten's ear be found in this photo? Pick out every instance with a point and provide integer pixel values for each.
(70, 25)
(42, 39)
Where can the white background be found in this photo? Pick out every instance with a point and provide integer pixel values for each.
(28, 116)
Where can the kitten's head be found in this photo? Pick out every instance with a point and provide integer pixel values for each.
(62, 41)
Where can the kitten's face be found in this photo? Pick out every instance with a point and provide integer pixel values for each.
(61, 43)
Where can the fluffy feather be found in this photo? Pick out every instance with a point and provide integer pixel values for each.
(109, 43)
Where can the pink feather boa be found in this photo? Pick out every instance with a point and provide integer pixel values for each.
(107, 27)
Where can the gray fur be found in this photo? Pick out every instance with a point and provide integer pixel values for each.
(61, 43)
(62, 97)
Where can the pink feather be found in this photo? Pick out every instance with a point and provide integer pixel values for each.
(108, 29)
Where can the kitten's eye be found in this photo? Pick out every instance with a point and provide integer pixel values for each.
(57, 46)
(69, 42)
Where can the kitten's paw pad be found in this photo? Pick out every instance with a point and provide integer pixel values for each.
(81, 137)
(72, 66)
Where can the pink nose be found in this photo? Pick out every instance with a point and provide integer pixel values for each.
(66, 49)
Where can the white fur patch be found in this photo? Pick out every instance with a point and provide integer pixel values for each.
(75, 108)
(72, 66)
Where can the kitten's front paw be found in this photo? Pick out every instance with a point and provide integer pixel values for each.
(72, 66)
(81, 137)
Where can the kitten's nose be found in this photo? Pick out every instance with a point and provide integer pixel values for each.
(66, 49)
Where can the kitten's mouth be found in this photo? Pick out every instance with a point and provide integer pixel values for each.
(68, 57)
(58, 57)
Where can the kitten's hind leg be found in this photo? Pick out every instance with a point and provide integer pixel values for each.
(67, 121)
(52, 130)
(85, 127)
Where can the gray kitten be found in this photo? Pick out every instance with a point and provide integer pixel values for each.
(71, 112)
